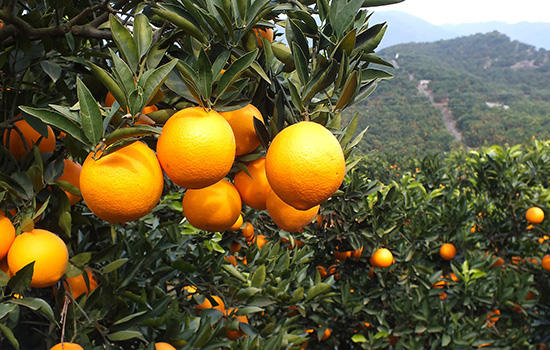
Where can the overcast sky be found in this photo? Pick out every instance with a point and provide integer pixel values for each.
(471, 11)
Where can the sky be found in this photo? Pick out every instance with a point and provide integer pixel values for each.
(472, 11)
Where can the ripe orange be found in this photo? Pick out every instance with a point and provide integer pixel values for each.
(546, 262)
(46, 249)
(124, 185)
(242, 124)
(382, 258)
(253, 188)
(305, 165)
(196, 148)
(109, 99)
(208, 305)
(235, 247)
(213, 208)
(356, 254)
(30, 137)
(342, 255)
(248, 231)
(237, 224)
(7, 235)
(287, 217)
(534, 215)
(67, 346)
(261, 240)
(164, 346)
(71, 174)
(263, 33)
(236, 334)
(447, 251)
(499, 262)
(78, 284)
(326, 334)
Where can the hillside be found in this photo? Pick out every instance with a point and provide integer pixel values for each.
(406, 28)
(497, 90)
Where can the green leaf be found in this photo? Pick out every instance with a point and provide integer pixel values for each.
(125, 43)
(52, 69)
(123, 73)
(233, 72)
(445, 340)
(205, 75)
(6, 308)
(92, 122)
(125, 335)
(219, 63)
(109, 82)
(342, 15)
(233, 272)
(81, 258)
(181, 22)
(131, 132)
(295, 35)
(320, 81)
(370, 39)
(154, 81)
(372, 3)
(57, 120)
(350, 130)
(143, 33)
(349, 91)
(10, 336)
(258, 277)
(36, 304)
(114, 265)
(359, 338)
(129, 317)
(22, 278)
(371, 74)
(317, 289)
(301, 63)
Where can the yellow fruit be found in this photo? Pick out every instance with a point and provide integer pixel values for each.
(242, 319)
(47, 250)
(164, 346)
(263, 33)
(30, 137)
(208, 305)
(242, 124)
(534, 215)
(78, 284)
(546, 262)
(253, 188)
(7, 235)
(213, 208)
(382, 258)
(124, 185)
(447, 251)
(305, 165)
(286, 217)
(71, 174)
(196, 148)
(67, 346)
(237, 225)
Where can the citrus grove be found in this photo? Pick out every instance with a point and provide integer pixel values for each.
(181, 175)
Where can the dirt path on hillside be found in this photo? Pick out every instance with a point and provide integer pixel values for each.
(446, 113)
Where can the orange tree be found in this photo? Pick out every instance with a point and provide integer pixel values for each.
(92, 83)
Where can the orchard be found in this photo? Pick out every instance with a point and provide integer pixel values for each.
(181, 175)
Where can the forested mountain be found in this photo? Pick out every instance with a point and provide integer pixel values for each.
(495, 89)
(406, 28)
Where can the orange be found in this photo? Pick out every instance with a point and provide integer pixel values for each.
(342, 255)
(71, 174)
(534, 215)
(263, 33)
(67, 346)
(78, 284)
(124, 185)
(4, 266)
(322, 271)
(164, 346)
(109, 99)
(382, 258)
(287, 217)
(196, 148)
(190, 290)
(46, 249)
(208, 305)
(248, 231)
(7, 235)
(213, 208)
(261, 240)
(235, 247)
(305, 165)
(231, 259)
(30, 137)
(442, 296)
(237, 224)
(499, 262)
(356, 254)
(242, 124)
(149, 109)
(493, 318)
(253, 187)
(242, 319)
(326, 334)
(447, 251)
(546, 262)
